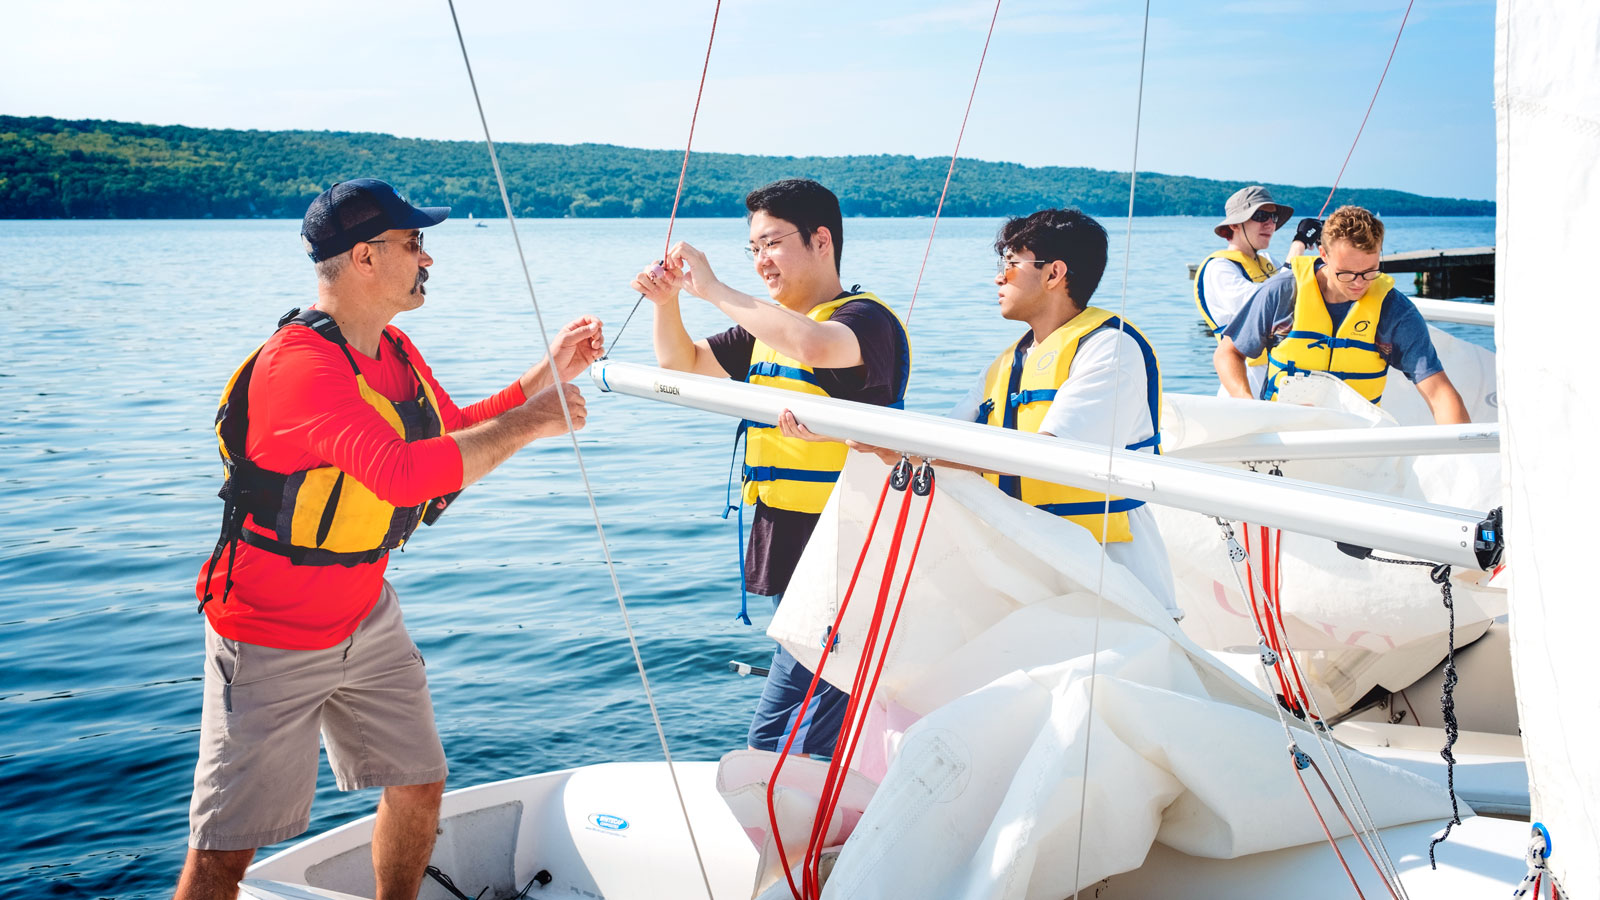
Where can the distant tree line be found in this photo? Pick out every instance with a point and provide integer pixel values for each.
(92, 169)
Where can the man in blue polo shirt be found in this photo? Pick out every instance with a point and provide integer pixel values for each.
(1337, 313)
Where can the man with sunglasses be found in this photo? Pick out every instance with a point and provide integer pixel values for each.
(1227, 278)
(1336, 312)
(337, 442)
(815, 338)
(1078, 372)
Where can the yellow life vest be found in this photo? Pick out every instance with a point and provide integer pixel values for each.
(1255, 268)
(789, 473)
(1019, 388)
(320, 516)
(1312, 345)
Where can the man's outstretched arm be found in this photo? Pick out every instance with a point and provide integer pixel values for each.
(488, 444)
(1444, 401)
(1230, 366)
(821, 345)
(675, 349)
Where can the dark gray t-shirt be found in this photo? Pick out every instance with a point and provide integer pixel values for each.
(777, 536)
(1402, 336)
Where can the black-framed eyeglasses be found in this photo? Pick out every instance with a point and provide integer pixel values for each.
(1368, 275)
(413, 244)
(764, 245)
(1006, 263)
(1263, 215)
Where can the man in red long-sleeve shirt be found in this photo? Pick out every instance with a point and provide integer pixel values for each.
(337, 440)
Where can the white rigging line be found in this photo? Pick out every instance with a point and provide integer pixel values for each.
(1111, 444)
(1368, 834)
(566, 414)
(1235, 555)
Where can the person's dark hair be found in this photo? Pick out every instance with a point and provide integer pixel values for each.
(1065, 234)
(804, 204)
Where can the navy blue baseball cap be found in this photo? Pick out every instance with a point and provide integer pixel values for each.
(359, 210)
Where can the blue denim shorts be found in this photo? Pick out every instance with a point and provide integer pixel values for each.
(779, 709)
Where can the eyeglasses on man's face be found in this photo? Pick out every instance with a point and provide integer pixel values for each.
(1005, 264)
(412, 244)
(1347, 277)
(1264, 215)
(763, 246)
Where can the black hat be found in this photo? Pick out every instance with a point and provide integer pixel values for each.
(358, 210)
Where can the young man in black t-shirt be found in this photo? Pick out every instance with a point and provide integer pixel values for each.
(817, 338)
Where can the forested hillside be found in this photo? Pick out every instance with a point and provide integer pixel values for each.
(54, 168)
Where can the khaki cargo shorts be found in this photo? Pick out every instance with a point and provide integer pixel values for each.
(263, 709)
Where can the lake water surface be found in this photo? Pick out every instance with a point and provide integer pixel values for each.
(118, 339)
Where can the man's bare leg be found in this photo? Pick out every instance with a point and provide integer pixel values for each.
(402, 838)
(212, 874)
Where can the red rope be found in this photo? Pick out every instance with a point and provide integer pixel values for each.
(772, 814)
(860, 703)
(833, 786)
(1320, 821)
(1351, 825)
(947, 175)
(1369, 109)
(683, 172)
(1281, 640)
(1267, 634)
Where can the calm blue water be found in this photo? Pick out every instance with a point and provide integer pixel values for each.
(118, 338)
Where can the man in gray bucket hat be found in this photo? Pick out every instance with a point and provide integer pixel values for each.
(1227, 278)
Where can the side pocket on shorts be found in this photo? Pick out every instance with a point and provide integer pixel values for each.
(225, 658)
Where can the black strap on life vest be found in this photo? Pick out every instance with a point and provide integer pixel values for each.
(248, 489)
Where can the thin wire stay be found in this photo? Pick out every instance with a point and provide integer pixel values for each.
(588, 489)
(1111, 443)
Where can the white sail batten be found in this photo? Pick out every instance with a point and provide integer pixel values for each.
(1455, 311)
(1547, 102)
(1350, 443)
(1421, 530)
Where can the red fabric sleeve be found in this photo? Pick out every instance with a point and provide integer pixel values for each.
(454, 418)
(306, 409)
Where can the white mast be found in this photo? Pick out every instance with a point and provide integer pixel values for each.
(1547, 97)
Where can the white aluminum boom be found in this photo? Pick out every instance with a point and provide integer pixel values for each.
(1421, 530)
(1350, 443)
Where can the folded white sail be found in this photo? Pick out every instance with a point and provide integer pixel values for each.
(979, 728)
(1358, 623)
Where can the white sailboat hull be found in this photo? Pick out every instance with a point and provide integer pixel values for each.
(499, 835)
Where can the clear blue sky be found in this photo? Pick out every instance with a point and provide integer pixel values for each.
(1248, 90)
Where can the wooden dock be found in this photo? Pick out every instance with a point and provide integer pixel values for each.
(1444, 274)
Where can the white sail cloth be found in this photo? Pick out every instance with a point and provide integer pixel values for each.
(1547, 103)
(983, 715)
(1357, 623)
